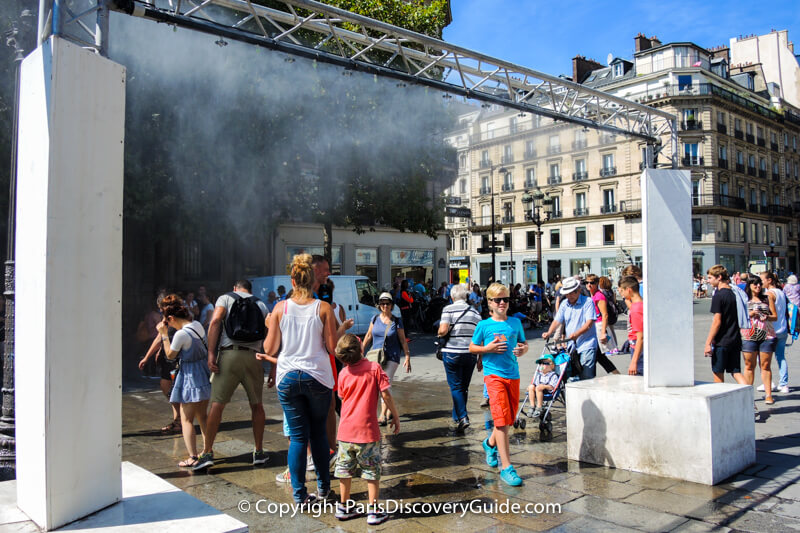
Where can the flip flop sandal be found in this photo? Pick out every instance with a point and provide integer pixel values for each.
(172, 427)
(382, 422)
(769, 401)
(188, 463)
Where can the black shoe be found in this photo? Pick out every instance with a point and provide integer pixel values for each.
(463, 424)
(485, 402)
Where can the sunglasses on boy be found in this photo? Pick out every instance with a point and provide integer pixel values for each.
(504, 299)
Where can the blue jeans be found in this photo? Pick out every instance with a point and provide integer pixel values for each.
(459, 368)
(780, 358)
(305, 403)
(588, 360)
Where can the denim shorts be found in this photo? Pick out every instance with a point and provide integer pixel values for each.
(765, 346)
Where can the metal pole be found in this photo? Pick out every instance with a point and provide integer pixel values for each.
(7, 423)
(539, 250)
(491, 244)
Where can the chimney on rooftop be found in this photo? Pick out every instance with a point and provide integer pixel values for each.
(642, 43)
(581, 67)
(654, 42)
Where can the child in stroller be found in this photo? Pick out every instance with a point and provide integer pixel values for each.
(555, 362)
(545, 380)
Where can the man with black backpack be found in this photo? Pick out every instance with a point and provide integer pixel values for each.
(236, 332)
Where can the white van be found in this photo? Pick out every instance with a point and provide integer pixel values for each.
(356, 294)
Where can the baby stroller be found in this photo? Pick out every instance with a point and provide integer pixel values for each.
(561, 356)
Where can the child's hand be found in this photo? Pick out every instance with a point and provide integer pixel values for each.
(395, 424)
(496, 346)
(520, 349)
(349, 323)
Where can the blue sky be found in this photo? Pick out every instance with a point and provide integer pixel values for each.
(546, 34)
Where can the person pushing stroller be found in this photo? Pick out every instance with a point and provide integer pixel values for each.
(577, 313)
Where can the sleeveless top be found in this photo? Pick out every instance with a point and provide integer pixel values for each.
(781, 325)
(759, 320)
(302, 344)
(335, 307)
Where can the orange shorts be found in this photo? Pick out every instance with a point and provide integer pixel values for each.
(503, 399)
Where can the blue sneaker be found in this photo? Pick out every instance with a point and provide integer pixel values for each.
(509, 475)
(491, 453)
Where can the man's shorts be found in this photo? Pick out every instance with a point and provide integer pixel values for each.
(235, 367)
(726, 359)
(355, 459)
(503, 399)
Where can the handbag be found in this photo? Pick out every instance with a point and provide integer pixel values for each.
(441, 342)
(757, 331)
(377, 355)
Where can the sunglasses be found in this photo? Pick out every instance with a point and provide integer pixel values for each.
(505, 300)
(384, 303)
(591, 283)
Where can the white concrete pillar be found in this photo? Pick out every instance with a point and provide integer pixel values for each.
(69, 282)
(667, 248)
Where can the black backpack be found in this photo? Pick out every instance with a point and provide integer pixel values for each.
(245, 321)
(611, 306)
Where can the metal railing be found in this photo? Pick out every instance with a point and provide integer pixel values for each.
(752, 171)
(692, 161)
(579, 145)
(762, 173)
(773, 146)
(580, 212)
(508, 158)
(608, 208)
(749, 137)
(530, 154)
(485, 163)
(508, 219)
(629, 206)
(556, 214)
(507, 187)
(529, 184)
(761, 142)
(485, 190)
(608, 171)
(740, 167)
(580, 176)
(689, 125)
(722, 163)
(779, 211)
(553, 180)
(553, 149)
(718, 200)
(739, 134)
(722, 128)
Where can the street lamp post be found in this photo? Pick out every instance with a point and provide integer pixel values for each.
(8, 445)
(491, 244)
(772, 256)
(538, 201)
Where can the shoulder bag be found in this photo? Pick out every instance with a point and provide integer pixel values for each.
(441, 342)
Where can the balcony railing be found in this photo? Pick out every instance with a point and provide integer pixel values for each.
(776, 176)
(629, 206)
(722, 128)
(773, 146)
(554, 149)
(485, 163)
(580, 212)
(739, 134)
(530, 154)
(484, 221)
(692, 161)
(755, 208)
(761, 142)
(486, 190)
(508, 219)
(610, 208)
(580, 145)
(762, 173)
(608, 171)
(556, 214)
(553, 180)
(607, 138)
(529, 183)
(580, 176)
(749, 137)
(779, 211)
(692, 125)
(752, 171)
(507, 187)
(722, 163)
(740, 167)
(506, 159)
(718, 200)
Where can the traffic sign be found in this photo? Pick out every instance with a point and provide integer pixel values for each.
(452, 200)
(463, 212)
(771, 254)
(489, 250)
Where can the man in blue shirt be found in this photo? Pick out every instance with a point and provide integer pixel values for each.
(577, 313)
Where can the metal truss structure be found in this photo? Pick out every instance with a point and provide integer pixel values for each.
(325, 33)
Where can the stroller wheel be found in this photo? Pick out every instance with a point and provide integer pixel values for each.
(522, 423)
(516, 423)
(549, 426)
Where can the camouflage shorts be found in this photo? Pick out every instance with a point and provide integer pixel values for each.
(358, 460)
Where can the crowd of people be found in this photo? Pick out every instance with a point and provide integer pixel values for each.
(299, 340)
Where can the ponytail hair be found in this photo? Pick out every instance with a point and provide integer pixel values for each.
(174, 306)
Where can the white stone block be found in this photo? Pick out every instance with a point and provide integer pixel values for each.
(667, 269)
(704, 433)
(68, 283)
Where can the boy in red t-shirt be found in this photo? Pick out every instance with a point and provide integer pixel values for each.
(629, 289)
(360, 383)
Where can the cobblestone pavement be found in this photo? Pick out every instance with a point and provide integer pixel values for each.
(429, 463)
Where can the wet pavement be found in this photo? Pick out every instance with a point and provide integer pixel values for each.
(429, 463)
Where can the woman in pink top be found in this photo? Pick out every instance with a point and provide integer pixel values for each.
(605, 334)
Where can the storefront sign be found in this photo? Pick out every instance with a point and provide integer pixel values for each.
(336, 252)
(412, 257)
(366, 256)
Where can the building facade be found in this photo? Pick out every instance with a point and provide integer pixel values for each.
(739, 144)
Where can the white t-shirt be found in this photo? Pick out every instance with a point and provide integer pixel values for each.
(226, 301)
(183, 339)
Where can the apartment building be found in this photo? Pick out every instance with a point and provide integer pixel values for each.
(740, 145)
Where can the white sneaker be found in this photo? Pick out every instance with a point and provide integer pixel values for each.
(761, 387)
(784, 389)
(309, 464)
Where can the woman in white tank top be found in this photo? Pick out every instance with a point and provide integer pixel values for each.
(304, 330)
